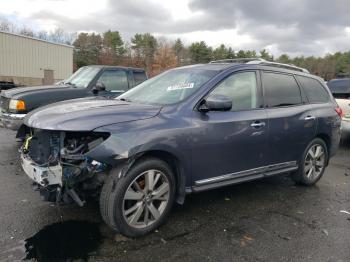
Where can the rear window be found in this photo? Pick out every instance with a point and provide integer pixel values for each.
(280, 90)
(340, 88)
(342, 96)
(315, 92)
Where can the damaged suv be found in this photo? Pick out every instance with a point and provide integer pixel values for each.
(187, 130)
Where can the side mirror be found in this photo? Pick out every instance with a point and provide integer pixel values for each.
(98, 87)
(216, 102)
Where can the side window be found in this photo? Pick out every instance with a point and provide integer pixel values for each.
(315, 92)
(139, 77)
(280, 90)
(114, 80)
(241, 88)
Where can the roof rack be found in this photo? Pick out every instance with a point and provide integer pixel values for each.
(236, 60)
(260, 61)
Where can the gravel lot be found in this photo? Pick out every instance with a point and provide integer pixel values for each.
(267, 220)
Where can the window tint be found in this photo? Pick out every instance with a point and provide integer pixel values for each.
(139, 77)
(281, 90)
(241, 88)
(114, 80)
(341, 95)
(314, 90)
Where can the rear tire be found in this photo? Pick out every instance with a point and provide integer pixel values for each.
(140, 201)
(312, 163)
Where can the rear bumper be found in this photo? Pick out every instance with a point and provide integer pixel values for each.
(11, 121)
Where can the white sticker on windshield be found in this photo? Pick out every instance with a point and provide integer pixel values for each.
(180, 86)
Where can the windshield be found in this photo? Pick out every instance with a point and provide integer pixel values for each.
(170, 87)
(83, 76)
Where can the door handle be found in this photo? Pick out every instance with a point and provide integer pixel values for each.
(257, 124)
(309, 118)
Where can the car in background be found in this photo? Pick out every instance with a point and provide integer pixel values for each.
(340, 89)
(88, 81)
(4, 85)
(187, 130)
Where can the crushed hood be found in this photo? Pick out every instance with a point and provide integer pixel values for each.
(87, 114)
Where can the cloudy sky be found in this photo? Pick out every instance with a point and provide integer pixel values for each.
(308, 27)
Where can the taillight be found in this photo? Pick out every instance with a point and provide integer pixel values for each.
(339, 111)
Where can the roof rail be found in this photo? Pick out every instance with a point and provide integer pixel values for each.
(280, 65)
(236, 60)
(260, 61)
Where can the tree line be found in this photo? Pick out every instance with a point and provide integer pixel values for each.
(157, 54)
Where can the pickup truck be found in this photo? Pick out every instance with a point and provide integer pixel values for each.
(96, 80)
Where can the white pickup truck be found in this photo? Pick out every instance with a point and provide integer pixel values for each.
(340, 89)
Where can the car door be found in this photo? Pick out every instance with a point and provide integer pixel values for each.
(115, 81)
(292, 124)
(228, 143)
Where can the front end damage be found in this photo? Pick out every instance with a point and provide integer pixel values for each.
(59, 165)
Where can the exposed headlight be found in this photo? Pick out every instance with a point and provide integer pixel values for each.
(17, 104)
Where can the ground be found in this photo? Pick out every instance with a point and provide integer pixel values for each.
(266, 220)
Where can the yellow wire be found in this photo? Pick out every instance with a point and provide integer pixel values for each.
(26, 144)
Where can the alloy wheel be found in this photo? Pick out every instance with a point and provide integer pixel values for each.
(146, 198)
(315, 161)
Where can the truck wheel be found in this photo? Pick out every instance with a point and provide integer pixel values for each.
(312, 164)
(140, 201)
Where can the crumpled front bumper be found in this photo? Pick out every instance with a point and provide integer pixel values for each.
(42, 175)
(11, 121)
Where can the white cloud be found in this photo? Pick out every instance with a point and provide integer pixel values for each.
(24, 9)
(312, 27)
(229, 37)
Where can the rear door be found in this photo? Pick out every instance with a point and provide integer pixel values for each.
(291, 122)
(48, 77)
(138, 77)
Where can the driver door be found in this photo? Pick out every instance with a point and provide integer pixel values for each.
(115, 81)
(228, 143)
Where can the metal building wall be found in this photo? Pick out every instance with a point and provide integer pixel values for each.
(24, 59)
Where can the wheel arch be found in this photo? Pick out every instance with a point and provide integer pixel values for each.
(327, 141)
(175, 164)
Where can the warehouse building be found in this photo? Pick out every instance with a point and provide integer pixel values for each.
(29, 61)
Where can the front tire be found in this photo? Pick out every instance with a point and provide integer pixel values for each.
(312, 163)
(140, 201)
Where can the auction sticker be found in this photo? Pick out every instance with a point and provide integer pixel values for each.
(180, 86)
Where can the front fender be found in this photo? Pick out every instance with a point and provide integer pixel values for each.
(131, 140)
(118, 148)
(117, 151)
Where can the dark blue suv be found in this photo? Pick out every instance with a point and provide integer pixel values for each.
(187, 130)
